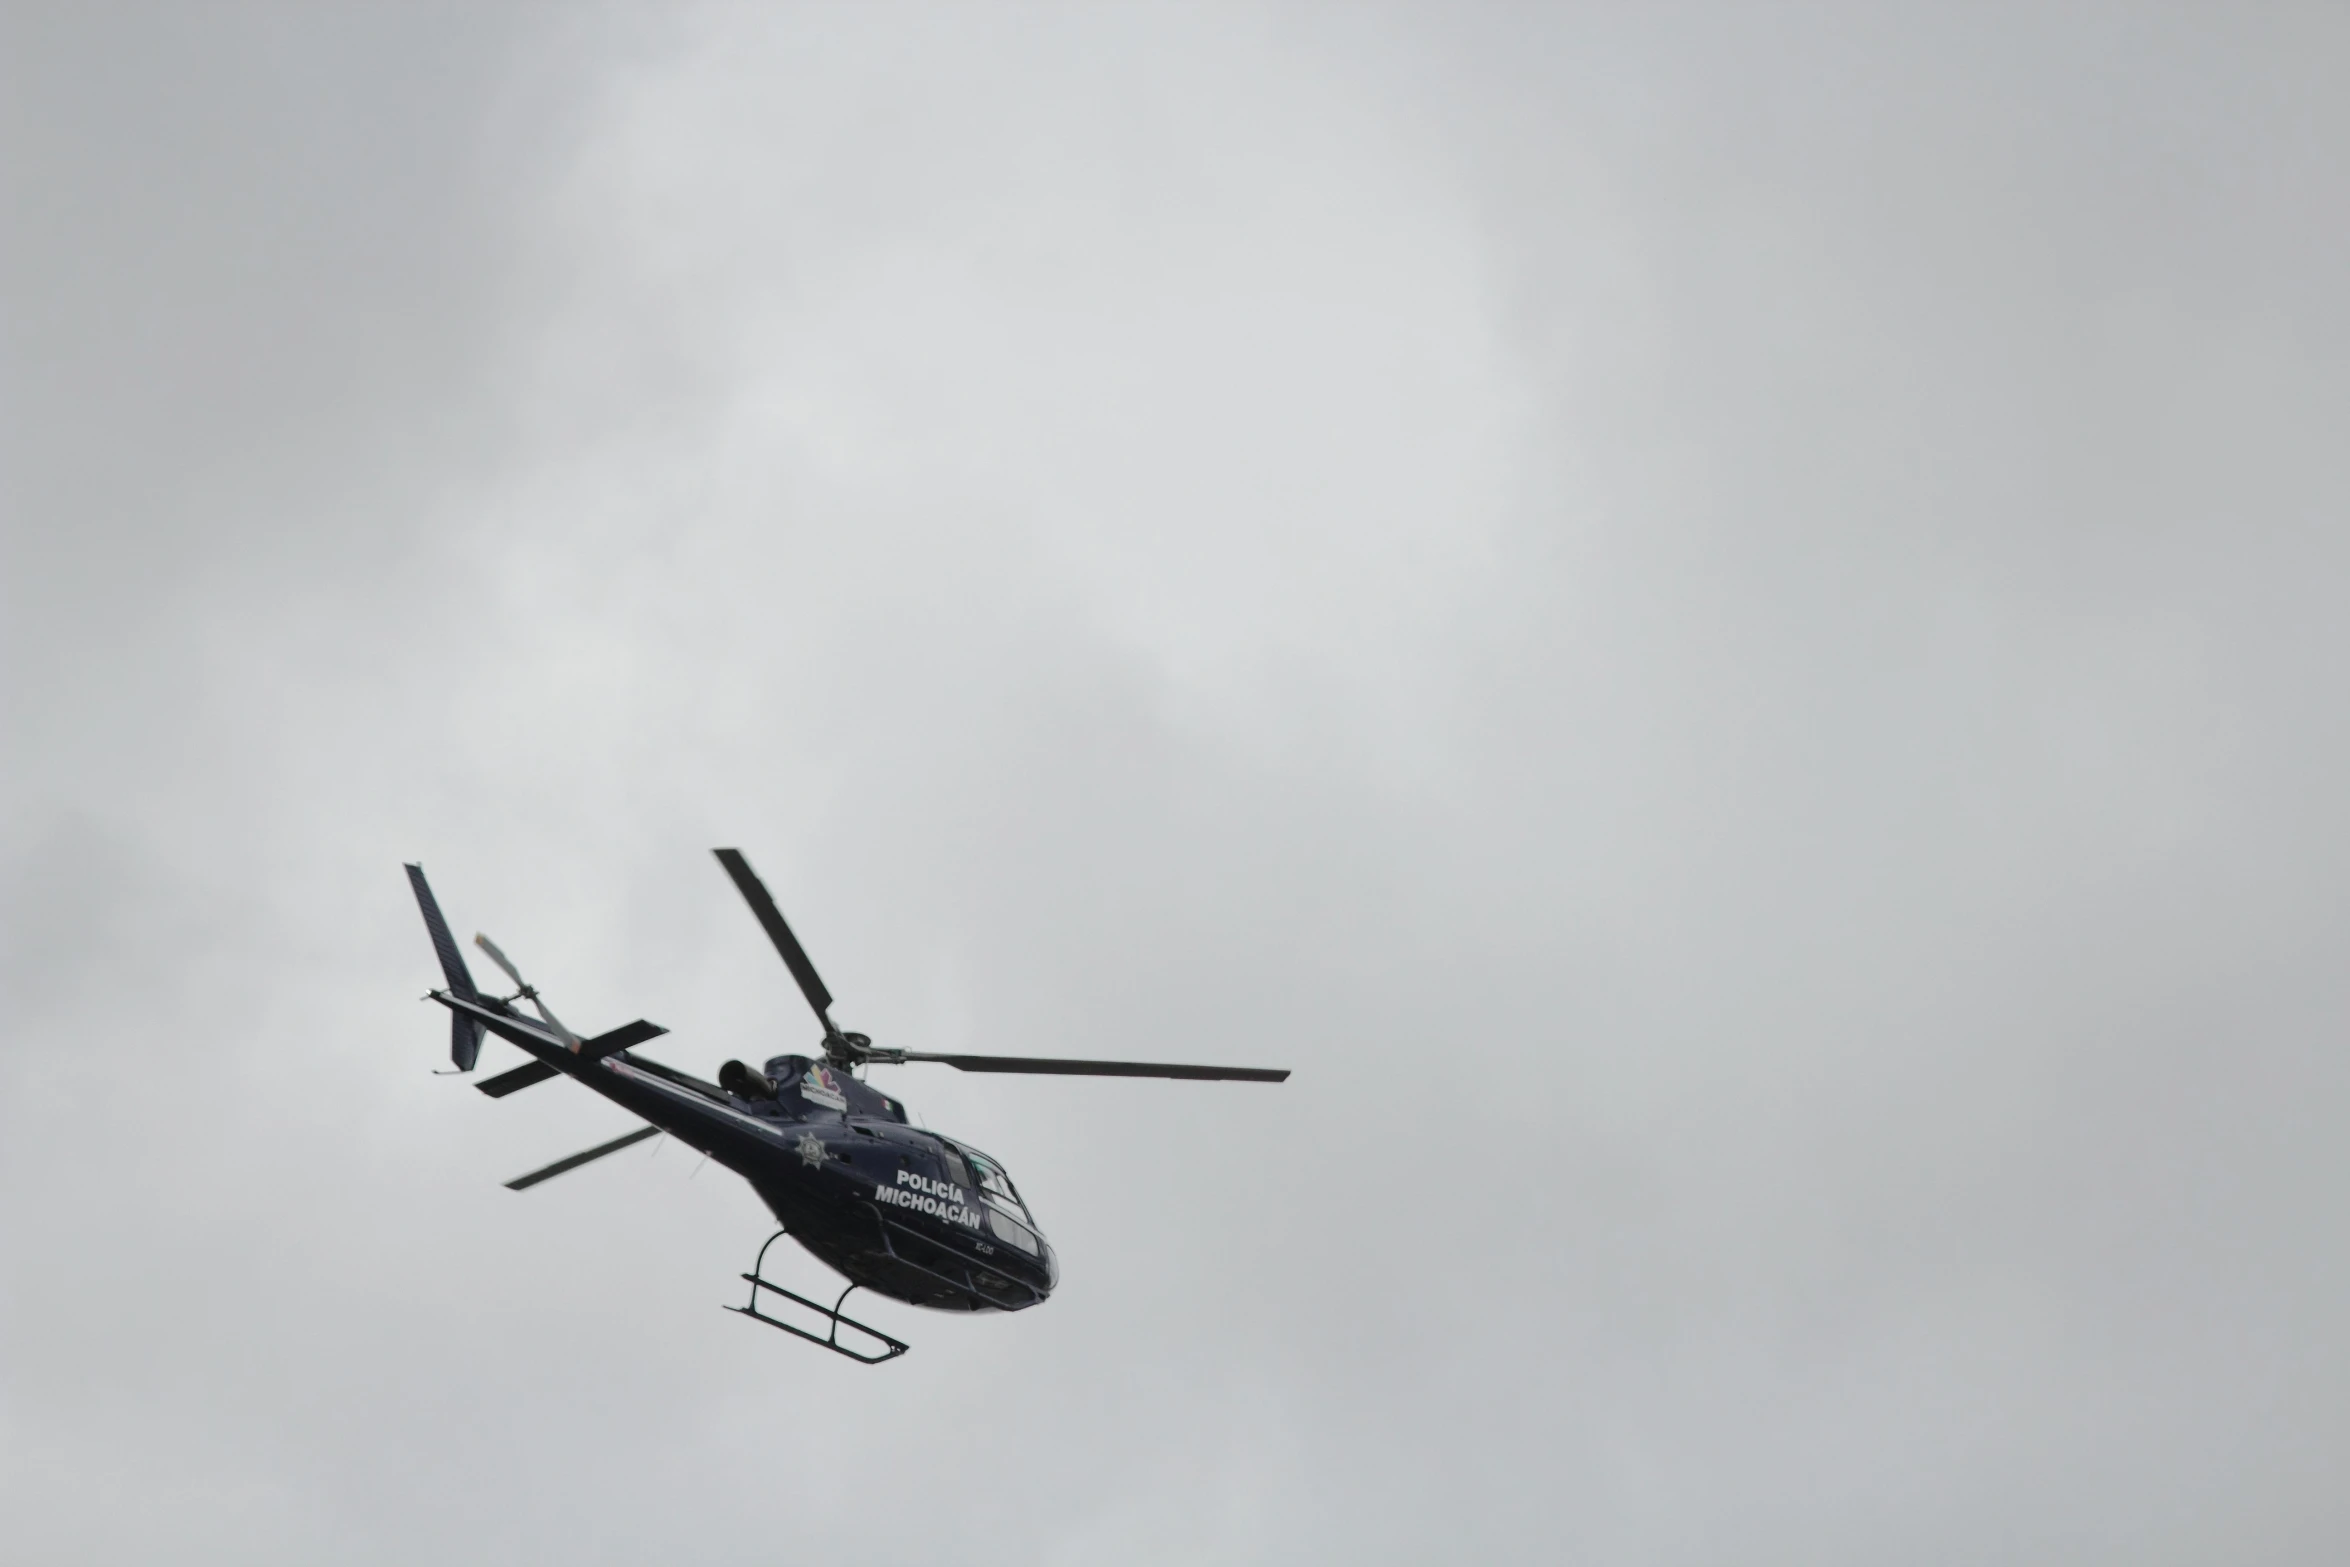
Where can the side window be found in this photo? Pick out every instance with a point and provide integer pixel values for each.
(957, 1172)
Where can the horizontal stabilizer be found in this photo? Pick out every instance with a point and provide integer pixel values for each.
(538, 1041)
(543, 1044)
(521, 1077)
(524, 1182)
(627, 1036)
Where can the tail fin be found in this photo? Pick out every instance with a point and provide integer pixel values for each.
(464, 1032)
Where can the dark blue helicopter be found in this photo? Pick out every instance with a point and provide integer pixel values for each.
(890, 1207)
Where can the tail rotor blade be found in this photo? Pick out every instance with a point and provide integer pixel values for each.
(523, 987)
(754, 891)
(500, 959)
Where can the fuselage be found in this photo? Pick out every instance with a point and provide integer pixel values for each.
(891, 1207)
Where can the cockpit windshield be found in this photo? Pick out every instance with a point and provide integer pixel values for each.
(1007, 1216)
(993, 1183)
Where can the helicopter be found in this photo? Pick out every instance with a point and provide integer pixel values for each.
(893, 1208)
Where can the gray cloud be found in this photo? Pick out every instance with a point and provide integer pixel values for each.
(1718, 626)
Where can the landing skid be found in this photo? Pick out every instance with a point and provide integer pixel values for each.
(890, 1350)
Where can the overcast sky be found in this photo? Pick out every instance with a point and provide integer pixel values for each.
(1722, 623)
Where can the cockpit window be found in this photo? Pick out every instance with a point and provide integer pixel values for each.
(1006, 1217)
(954, 1163)
(995, 1184)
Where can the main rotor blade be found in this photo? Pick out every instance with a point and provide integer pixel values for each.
(1044, 1065)
(754, 891)
(523, 1182)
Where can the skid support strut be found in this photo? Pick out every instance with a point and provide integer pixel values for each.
(890, 1347)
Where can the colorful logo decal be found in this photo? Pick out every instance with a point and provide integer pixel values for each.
(818, 1086)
